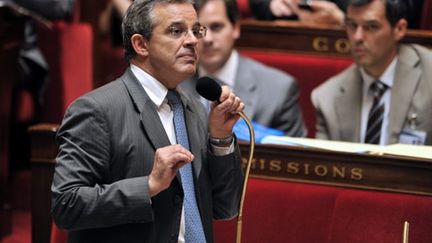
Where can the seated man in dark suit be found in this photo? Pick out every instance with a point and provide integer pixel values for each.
(383, 98)
(271, 96)
(140, 162)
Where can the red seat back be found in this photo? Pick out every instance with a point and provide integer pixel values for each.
(309, 70)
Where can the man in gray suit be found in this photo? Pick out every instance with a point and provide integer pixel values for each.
(119, 173)
(345, 104)
(270, 96)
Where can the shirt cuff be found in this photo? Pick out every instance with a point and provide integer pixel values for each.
(222, 150)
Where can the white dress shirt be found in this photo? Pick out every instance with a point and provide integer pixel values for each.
(387, 78)
(157, 93)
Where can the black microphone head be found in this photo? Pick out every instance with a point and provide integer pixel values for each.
(208, 88)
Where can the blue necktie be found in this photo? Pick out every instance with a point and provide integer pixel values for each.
(376, 114)
(194, 232)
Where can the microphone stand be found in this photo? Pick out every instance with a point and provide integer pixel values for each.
(248, 166)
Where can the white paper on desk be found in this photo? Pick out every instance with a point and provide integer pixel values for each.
(321, 144)
(408, 150)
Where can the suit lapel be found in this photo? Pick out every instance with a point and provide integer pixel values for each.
(149, 118)
(405, 83)
(245, 88)
(348, 107)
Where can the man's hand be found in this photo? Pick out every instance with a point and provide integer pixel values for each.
(282, 8)
(168, 160)
(324, 14)
(223, 116)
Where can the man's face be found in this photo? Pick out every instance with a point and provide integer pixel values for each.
(373, 39)
(172, 49)
(220, 38)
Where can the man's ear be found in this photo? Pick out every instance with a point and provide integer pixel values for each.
(400, 29)
(139, 44)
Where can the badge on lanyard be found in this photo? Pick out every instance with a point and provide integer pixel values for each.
(411, 135)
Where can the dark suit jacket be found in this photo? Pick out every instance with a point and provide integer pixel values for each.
(107, 143)
(338, 101)
(270, 96)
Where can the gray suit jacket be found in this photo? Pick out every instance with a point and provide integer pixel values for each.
(107, 143)
(270, 96)
(338, 100)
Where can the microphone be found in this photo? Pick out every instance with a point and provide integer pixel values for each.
(208, 88)
(211, 90)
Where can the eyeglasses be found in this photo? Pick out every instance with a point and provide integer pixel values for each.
(182, 31)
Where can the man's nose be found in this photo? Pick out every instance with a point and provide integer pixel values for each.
(358, 34)
(208, 37)
(190, 38)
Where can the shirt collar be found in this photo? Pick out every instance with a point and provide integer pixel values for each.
(227, 73)
(154, 89)
(387, 77)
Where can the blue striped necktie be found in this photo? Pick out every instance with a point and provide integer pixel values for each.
(194, 232)
(376, 114)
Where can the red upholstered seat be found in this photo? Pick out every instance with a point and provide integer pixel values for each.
(279, 211)
(365, 216)
(426, 19)
(244, 9)
(58, 235)
(68, 49)
(309, 70)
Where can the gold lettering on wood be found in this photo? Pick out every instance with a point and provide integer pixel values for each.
(320, 44)
(338, 172)
(342, 46)
(321, 170)
(304, 169)
(275, 165)
(293, 168)
(357, 174)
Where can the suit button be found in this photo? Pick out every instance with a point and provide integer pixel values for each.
(178, 199)
(173, 238)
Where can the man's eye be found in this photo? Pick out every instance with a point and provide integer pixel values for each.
(176, 32)
(351, 26)
(371, 27)
(216, 27)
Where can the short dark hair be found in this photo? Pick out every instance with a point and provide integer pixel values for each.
(395, 9)
(139, 19)
(230, 6)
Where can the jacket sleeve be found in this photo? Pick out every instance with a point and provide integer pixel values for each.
(83, 195)
(321, 125)
(226, 177)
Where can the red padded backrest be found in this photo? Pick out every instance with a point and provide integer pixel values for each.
(426, 19)
(244, 9)
(310, 71)
(58, 235)
(68, 50)
(279, 211)
(367, 216)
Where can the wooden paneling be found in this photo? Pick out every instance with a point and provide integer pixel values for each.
(290, 36)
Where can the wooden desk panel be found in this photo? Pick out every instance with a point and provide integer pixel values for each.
(363, 171)
(290, 36)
